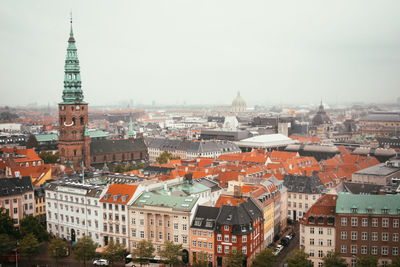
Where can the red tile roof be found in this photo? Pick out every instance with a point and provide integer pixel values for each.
(119, 190)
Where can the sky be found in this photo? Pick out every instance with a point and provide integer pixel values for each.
(203, 52)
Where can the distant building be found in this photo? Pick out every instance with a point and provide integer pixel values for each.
(381, 174)
(380, 124)
(224, 134)
(321, 123)
(266, 141)
(238, 104)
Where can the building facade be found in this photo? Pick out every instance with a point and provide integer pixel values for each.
(368, 225)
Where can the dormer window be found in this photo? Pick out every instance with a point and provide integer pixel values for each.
(311, 219)
(385, 210)
(320, 219)
(354, 210)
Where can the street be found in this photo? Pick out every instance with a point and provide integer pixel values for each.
(294, 244)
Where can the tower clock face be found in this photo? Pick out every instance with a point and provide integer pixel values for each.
(77, 107)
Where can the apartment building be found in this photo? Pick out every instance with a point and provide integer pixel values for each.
(40, 203)
(160, 217)
(317, 229)
(368, 225)
(303, 192)
(202, 234)
(239, 227)
(115, 212)
(73, 210)
(16, 198)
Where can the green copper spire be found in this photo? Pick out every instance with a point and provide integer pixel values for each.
(86, 131)
(72, 79)
(131, 133)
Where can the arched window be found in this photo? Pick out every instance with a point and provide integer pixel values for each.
(113, 157)
(73, 120)
(74, 152)
(82, 121)
(105, 158)
(123, 156)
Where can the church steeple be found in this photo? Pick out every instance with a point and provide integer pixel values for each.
(72, 93)
(131, 132)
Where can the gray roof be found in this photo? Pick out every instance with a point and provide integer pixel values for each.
(382, 116)
(358, 188)
(378, 170)
(15, 186)
(191, 146)
(205, 217)
(98, 147)
(303, 184)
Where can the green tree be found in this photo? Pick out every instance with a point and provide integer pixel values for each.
(49, 157)
(29, 247)
(32, 225)
(234, 258)
(84, 249)
(31, 142)
(119, 168)
(165, 157)
(367, 261)
(298, 258)
(332, 259)
(7, 224)
(57, 249)
(172, 253)
(143, 252)
(201, 260)
(395, 262)
(128, 168)
(5, 246)
(113, 252)
(139, 166)
(265, 258)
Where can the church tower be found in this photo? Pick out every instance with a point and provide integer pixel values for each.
(74, 141)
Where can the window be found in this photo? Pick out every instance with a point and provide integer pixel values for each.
(233, 239)
(320, 254)
(385, 236)
(210, 245)
(151, 234)
(353, 235)
(184, 240)
(219, 237)
(184, 227)
(141, 221)
(219, 249)
(160, 236)
(344, 221)
(364, 236)
(159, 222)
(364, 222)
(385, 251)
(320, 242)
(374, 236)
(329, 242)
(226, 227)
(311, 241)
(194, 232)
(176, 226)
(354, 221)
(320, 231)
(385, 222)
(141, 234)
(395, 237)
(395, 251)
(343, 249)
(343, 235)
(395, 223)
(244, 238)
(244, 250)
(353, 249)
(134, 233)
(311, 230)
(374, 222)
(226, 249)
(151, 221)
(374, 250)
(226, 238)
(364, 250)
(329, 231)
(194, 243)
(311, 253)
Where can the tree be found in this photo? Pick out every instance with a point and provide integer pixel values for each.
(57, 249)
(165, 157)
(298, 258)
(143, 252)
(395, 262)
(5, 246)
(128, 168)
(235, 258)
(49, 157)
(332, 259)
(201, 260)
(265, 258)
(32, 225)
(113, 252)
(7, 224)
(31, 142)
(29, 246)
(84, 249)
(171, 253)
(119, 168)
(139, 166)
(367, 261)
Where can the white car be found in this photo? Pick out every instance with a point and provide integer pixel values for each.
(101, 262)
(278, 249)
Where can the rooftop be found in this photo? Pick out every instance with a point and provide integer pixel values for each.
(368, 204)
(378, 170)
(162, 200)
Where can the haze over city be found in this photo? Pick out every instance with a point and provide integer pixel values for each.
(203, 52)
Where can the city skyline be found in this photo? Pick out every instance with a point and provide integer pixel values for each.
(203, 53)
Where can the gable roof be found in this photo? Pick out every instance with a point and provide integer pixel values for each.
(205, 217)
(15, 186)
(98, 147)
(119, 193)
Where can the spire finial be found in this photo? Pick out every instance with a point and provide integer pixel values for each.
(71, 34)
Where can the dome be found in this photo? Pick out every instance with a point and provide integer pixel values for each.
(238, 104)
(321, 117)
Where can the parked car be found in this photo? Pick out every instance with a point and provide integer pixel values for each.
(289, 237)
(292, 234)
(101, 262)
(278, 249)
(285, 241)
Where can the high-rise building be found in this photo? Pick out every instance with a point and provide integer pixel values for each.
(74, 140)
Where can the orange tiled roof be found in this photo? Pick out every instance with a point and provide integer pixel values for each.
(121, 190)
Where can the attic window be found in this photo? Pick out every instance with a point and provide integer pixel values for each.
(197, 222)
(311, 219)
(115, 197)
(106, 196)
(385, 210)
(185, 205)
(354, 210)
(208, 224)
(243, 228)
(331, 220)
(320, 219)
(229, 217)
(369, 210)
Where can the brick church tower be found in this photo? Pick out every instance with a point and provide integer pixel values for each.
(74, 140)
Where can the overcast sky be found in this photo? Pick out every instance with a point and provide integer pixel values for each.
(203, 51)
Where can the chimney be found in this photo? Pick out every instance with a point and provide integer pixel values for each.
(237, 191)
